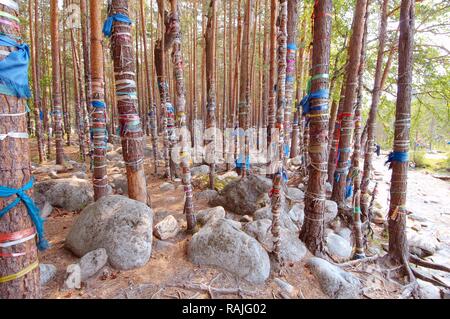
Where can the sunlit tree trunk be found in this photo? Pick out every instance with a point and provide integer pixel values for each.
(312, 232)
(34, 40)
(131, 131)
(372, 120)
(347, 125)
(398, 245)
(180, 94)
(98, 115)
(56, 82)
(15, 172)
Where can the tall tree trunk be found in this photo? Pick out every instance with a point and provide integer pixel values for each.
(372, 120)
(355, 172)
(210, 42)
(296, 132)
(161, 47)
(272, 67)
(244, 93)
(15, 172)
(291, 59)
(76, 93)
(131, 132)
(347, 125)
(151, 105)
(98, 115)
(312, 232)
(34, 40)
(85, 108)
(398, 245)
(56, 82)
(279, 178)
(180, 93)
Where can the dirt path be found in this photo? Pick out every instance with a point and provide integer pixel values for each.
(428, 200)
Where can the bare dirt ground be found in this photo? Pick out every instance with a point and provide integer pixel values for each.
(170, 275)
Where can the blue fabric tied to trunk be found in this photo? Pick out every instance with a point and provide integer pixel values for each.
(14, 68)
(33, 210)
(107, 27)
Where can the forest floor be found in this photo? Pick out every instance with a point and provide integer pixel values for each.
(169, 274)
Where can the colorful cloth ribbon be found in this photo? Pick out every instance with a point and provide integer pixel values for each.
(107, 27)
(14, 68)
(33, 210)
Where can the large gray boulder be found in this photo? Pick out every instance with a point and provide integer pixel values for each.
(334, 281)
(120, 225)
(292, 248)
(208, 215)
(71, 194)
(200, 170)
(243, 196)
(222, 244)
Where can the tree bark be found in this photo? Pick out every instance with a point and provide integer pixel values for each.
(398, 245)
(151, 104)
(98, 115)
(34, 41)
(15, 172)
(347, 125)
(372, 120)
(210, 42)
(312, 232)
(56, 82)
(180, 93)
(131, 132)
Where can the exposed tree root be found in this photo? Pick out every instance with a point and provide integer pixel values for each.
(358, 261)
(424, 277)
(423, 263)
(209, 289)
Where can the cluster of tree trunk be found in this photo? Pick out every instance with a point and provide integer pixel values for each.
(330, 142)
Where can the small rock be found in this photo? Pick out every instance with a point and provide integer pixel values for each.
(48, 272)
(167, 228)
(92, 262)
(73, 280)
(334, 281)
(206, 216)
(428, 290)
(422, 245)
(328, 187)
(46, 210)
(301, 187)
(286, 287)
(331, 210)
(338, 246)
(378, 217)
(164, 187)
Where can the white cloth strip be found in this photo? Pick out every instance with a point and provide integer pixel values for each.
(4, 52)
(126, 97)
(10, 4)
(12, 115)
(14, 135)
(17, 242)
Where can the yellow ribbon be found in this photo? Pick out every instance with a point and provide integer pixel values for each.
(21, 273)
